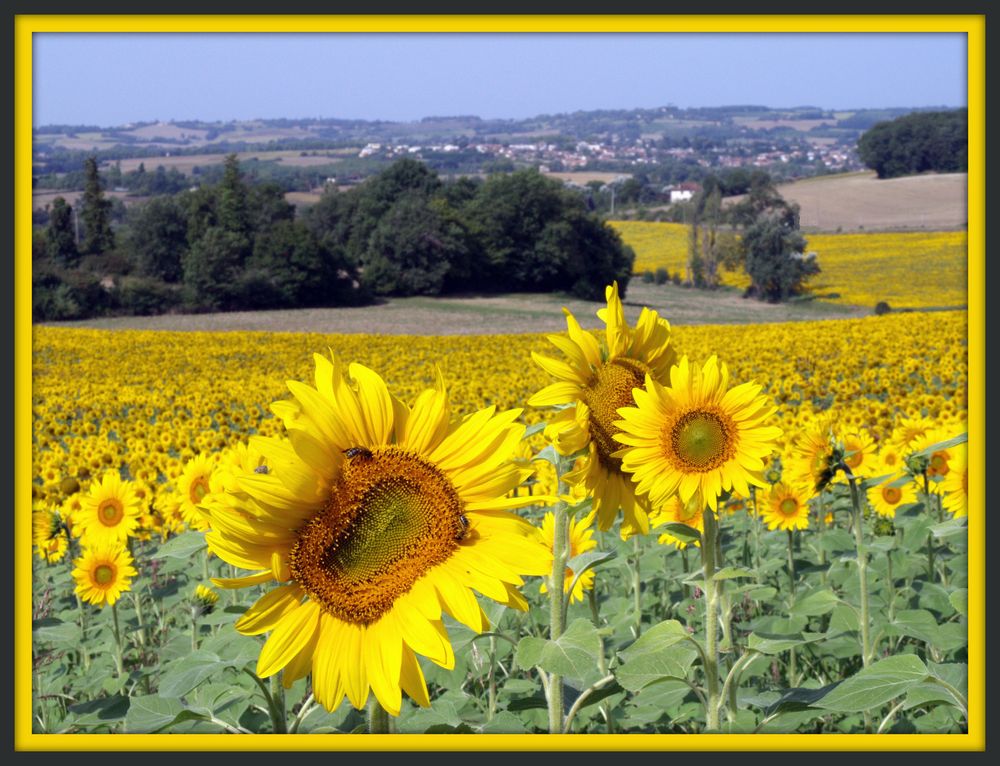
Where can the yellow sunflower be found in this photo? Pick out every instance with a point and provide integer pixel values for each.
(109, 511)
(698, 437)
(786, 508)
(673, 511)
(859, 452)
(103, 573)
(596, 379)
(196, 483)
(894, 492)
(581, 539)
(49, 535)
(375, 517)
(956, 483)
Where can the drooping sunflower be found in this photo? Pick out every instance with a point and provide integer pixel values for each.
(889, 495)
(581, 539)
(103, 573)
(956, 483)
(697, 436)
(375, 518)
(674, 511)
(49, 535)
(596, 379)
(109, 511)
(809, 465)
(785, 508)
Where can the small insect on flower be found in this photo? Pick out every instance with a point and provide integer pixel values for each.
(463, 522)
(361, 452)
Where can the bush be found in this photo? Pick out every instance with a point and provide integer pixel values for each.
(677, 278)
(662, 276)
(647, 276)
(144, 296)
(59, 295)
(882, 308)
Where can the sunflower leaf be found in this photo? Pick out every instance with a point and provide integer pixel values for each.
(183, 546)
(953, 442)
(876, 685)
(681, 531)
(574, 654)
(659, 653)
(529, 651)
(589, 560)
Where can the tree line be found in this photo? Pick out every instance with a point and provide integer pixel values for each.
(236, 245)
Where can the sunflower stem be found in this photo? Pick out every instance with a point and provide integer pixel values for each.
(859, 542)
(560, 544)
(492, 704)
(119, 660)
(930, 537)
(711, 657)
(276, 705)
(85, 654)
(378, 718)
(637, 583)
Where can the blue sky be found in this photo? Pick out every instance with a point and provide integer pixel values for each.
(112, 79)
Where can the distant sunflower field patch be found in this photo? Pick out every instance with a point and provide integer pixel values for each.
(903, 269)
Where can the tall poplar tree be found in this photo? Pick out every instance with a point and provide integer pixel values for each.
(95, 212)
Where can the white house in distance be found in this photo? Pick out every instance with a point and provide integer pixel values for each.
(682, 192)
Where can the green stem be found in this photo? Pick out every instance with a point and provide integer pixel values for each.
(864, 618)
(119, 660)
(821, 527)
(859, 542)
(85, 654)
(890, 581)
(602, 662)
(637, 584)
(791, 561)
(556, 621)
(279, 719)
(930, 537)
(378, 718)
(492, 700)
(194, 630)
(709, 562)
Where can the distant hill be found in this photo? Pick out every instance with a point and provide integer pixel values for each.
(856, 201)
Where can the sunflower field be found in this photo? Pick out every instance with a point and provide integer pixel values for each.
(904, 269)
(638, 529)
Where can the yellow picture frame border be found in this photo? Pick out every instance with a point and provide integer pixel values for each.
(974, 26)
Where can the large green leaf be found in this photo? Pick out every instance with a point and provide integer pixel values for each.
(661, 652)
(814, 603)
(183, 674)
(575, 653)
(876, 685)
(151, 713)
(183, 546)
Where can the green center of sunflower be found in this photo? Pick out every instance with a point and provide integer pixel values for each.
(892, 495)
(701, 440)
(788, 507)
(390, 518)
(110, 512)
(610, 389)
(104, 574)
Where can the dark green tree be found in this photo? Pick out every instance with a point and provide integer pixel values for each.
(773, 250)
(232, 206)
(95, 212)
(412, 249)
(60, 237)
(158, 238)
(211, 268)
(917, 143)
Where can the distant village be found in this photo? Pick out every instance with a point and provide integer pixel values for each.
(584, 155)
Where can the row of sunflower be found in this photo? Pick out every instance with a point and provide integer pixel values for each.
(366, 514)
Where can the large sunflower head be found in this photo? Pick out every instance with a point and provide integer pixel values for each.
(786, 508)
(696, 437)
(375, 518)
(598, 377)
(109, 511)
(581, 539)
(859, 452)
(103, 573)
